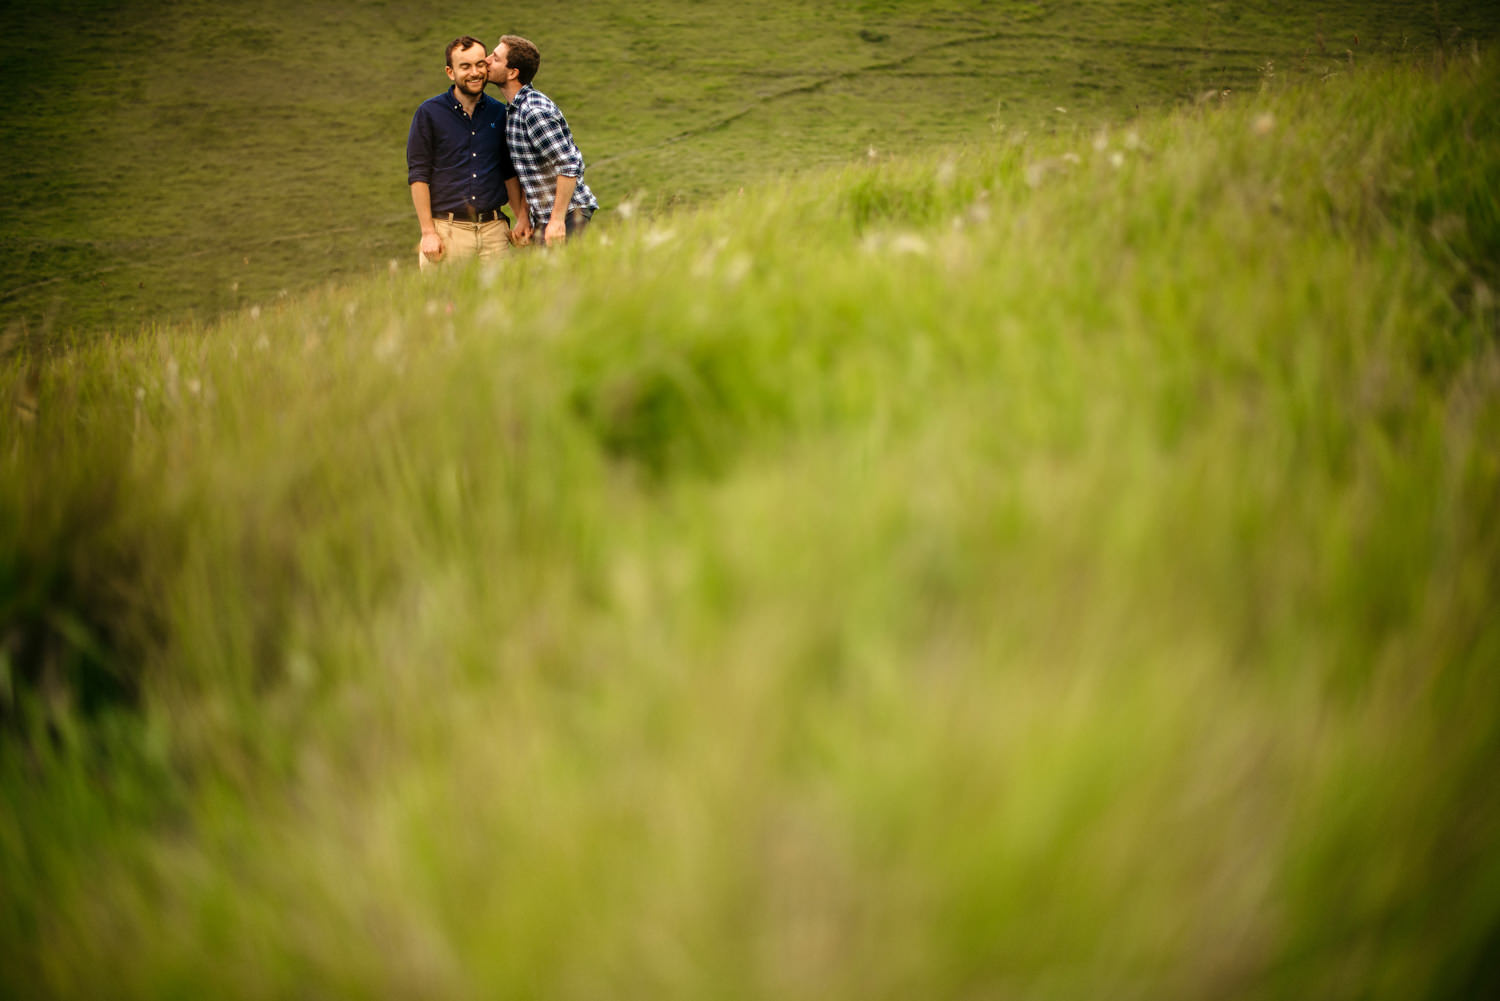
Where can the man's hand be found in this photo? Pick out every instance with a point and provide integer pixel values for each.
(557, 231)
(432, 247)
(520, 233)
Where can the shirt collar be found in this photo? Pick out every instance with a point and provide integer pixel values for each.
(485, 101)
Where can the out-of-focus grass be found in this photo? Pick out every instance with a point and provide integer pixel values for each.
(1061, 568)
(208, 156)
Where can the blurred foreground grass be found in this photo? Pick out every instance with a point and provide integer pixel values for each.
(1063, 569)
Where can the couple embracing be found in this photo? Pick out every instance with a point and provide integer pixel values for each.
(469, 155)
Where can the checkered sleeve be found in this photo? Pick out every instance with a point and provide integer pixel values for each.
(553, 140)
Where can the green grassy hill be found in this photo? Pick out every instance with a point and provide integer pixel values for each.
(189, 157)
(1059, 565)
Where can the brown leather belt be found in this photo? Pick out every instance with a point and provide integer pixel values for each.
(464, 216)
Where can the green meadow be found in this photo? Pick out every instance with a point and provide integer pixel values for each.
(180, 159)
(1002, 504)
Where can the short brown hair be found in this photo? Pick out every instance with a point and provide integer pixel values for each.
(461, 42)
(521, 56)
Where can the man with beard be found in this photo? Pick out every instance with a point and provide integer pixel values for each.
(459, 166)
(541, 145)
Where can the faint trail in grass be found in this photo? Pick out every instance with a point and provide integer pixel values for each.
(814, 86)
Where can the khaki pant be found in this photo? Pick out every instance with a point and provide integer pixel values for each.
(462, 240)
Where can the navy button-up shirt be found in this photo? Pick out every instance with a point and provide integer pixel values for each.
(464, 160)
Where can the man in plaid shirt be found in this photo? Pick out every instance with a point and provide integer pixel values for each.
(541, 146)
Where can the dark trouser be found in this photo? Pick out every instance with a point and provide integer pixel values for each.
(573, 223)
(577, 219)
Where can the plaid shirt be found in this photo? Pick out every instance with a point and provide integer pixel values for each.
(541, 147)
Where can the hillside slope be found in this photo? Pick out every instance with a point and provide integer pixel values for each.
(205, 156)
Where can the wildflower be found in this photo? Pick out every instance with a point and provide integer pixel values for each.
(656, 237)
(909, 243)
(392, 266)
(1101, 141)
(1263, 124)
(946, 172)
(1117, 159)
(625, 209)
(388, 343)
(737, 268)
(254, 312)
(704, 265)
